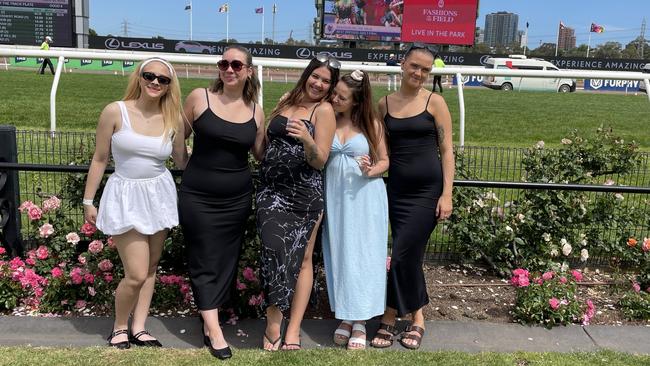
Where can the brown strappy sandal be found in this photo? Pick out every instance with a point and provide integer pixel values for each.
(390, 337)
(416, 337)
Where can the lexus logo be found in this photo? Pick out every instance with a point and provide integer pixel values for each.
(303, 53)
(484, 59)
(112, 43)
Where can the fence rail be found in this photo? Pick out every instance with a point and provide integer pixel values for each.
(46, 164)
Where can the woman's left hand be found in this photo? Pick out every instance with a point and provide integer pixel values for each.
(365, 164)
(297, 129)
(443, 210)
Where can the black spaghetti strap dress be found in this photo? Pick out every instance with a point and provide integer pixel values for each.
(215, 199)
(289, 203)
(414, 187)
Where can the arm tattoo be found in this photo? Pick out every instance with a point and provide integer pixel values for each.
(441, 135)
(311, 153)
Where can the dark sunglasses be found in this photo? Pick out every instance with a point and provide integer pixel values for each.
(433, 50)
(150, 76)
(323, 57)
(236, 65)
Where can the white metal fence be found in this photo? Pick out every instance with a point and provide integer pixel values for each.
(260, 63)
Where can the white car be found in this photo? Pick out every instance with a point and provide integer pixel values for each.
(193, 47)
(520, 62)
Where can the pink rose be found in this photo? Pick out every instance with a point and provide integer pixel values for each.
(56, 272)
(249, 274)
(520, 272)
(240, 286)
(91, 291)
(2, 251)
(555, 303)
(563, 280)
(34, 213)
(388, 263)
(636, 287)
(30, 261)
(51, 204)
(105, 265)
(25, 206)
(577, 275)
(81, 259)
(108, 277)
(547, 275)
(95, 246)
(46, 230)
(80, 304)
(256, 300)
(110, 242)
(646, 244)
(72, 238)
(88, 229)
(89, 278)
(76, 276)
(42, 252)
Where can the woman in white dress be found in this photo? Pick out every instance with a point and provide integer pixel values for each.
(138, 206)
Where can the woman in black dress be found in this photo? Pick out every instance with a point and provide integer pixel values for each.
(420, 180)
(216, 192)
(290, 197)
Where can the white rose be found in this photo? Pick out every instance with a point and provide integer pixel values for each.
(566, 249)
(539, 144)
(546, 237)
(566, 141)
(554, 252)
(584, 255)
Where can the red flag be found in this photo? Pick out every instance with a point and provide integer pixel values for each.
(259, 10)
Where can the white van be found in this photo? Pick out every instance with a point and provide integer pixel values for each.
(520, 62)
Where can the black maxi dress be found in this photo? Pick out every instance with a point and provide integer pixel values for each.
(289, 203)
(414, 187)
(215, 199)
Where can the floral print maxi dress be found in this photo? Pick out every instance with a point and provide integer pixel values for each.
(289, 203)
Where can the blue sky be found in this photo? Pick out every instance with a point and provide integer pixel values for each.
(621, 19)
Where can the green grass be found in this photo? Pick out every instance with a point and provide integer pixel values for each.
(104, 356)
(493, 118)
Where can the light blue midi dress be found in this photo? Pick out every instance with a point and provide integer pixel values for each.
(355, 234)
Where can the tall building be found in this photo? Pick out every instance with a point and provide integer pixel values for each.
(501, 29)
(566, 38)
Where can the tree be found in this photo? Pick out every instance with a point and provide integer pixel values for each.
(231, 40)
(91, 32)
(158, 37)
(608, 50)
(544, 50)
(580, 51)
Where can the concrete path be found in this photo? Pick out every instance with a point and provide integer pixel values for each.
(441, 335)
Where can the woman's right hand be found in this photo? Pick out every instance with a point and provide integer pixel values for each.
(90, 214)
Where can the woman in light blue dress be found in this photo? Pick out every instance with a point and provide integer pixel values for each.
(355, 234)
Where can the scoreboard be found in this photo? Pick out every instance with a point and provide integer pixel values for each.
(28, 22)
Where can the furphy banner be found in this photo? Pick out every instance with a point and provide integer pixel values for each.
(439, 22)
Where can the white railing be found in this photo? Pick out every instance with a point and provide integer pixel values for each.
(62, 54)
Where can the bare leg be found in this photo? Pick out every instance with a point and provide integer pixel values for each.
(141, 310)
(303, 290)
(133, 249)
(212, 328)
(273, 330)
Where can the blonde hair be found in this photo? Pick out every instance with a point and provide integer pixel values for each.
(170, 102)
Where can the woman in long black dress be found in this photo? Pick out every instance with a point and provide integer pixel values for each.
(420, 180)
(216, 192)
(290, 197)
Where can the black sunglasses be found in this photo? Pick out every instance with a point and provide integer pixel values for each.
(323, 57)
(150, 76)
(433, 50)
(236, 65)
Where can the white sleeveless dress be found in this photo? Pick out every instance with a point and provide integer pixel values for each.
(141, 194)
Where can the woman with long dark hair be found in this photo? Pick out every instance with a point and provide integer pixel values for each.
(290, 197)
(355, 233)
(420, 182)
(217, 187)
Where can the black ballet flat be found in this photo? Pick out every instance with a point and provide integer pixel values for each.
(148, 343)
(118, 345)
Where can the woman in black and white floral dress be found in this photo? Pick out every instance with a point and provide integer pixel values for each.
(290, 197)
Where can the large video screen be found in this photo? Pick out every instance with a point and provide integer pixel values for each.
(375, 20)
(428, 21)
(28, 22)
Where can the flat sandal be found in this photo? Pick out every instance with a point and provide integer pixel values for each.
(416, 337)
(385, 337)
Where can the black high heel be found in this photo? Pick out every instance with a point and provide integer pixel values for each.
(221, 353)
(119, 345)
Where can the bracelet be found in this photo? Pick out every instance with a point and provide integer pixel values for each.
(87, 202)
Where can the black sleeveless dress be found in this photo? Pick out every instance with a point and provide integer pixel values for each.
(289, 202)
(215, 199)
(414, 187)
